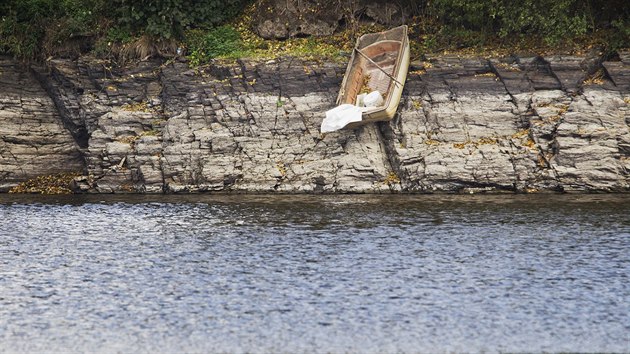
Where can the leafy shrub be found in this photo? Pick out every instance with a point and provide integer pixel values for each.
(170, 18)
(29, 28)
(551, 19)
(35, 28)
(114, 38)
(205, 45)
(621, 35)
(17, 34)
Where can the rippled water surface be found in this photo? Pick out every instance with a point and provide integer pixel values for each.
(315, 274)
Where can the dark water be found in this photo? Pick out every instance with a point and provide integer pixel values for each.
(315, 274)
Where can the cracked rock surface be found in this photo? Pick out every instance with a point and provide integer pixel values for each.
(519, 124)
(33, 140)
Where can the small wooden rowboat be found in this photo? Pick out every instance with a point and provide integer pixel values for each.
(379, 61)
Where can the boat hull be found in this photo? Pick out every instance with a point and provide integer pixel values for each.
(366, 62)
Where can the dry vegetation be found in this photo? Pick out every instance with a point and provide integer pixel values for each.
(49, 184)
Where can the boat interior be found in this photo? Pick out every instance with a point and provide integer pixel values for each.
(373, 68)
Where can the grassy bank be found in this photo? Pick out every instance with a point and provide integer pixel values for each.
(38, 29)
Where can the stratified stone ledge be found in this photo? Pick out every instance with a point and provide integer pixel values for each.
(518, 124)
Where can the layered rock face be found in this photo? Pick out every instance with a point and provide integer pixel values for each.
(521, 124)
(33, 140)
(524, 124)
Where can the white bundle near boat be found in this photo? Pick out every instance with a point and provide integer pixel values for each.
(340, 116)
(373, 99)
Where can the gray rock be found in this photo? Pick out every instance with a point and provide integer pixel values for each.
(464, 125)
(33, 140)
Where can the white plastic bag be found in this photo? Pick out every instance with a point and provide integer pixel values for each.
(340, 116)
(373, 99)
(360, 98)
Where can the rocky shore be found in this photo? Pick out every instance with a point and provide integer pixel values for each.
(517, 124)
